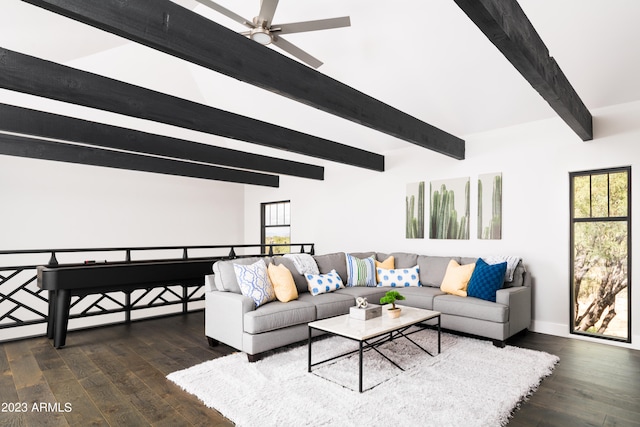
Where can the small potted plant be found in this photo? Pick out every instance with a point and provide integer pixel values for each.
(390, 298)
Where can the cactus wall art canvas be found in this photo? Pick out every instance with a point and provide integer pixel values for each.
(449, 215)
(415, 211)
(490, 206)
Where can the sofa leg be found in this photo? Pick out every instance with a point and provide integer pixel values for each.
(254, 357)
(499, 343)
(212, 342)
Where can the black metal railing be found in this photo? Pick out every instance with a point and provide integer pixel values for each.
(24, 305)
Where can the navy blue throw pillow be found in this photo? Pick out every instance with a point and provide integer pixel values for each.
(486, 280)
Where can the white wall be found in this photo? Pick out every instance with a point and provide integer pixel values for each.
(59, 205)
(360, 210)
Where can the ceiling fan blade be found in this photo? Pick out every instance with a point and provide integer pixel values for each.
(267, 10)
(320, 24)
(297, 52)
(226, 12)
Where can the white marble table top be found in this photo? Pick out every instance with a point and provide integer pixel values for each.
(361, 330)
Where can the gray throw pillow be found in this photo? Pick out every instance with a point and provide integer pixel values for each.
(433, 269)
(225, 276)
(301, 282)
(336, 261)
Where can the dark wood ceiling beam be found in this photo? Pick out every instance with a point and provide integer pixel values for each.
(21, 146)
(170, 28)
(49, 125)
(508, 28)
(27, 74)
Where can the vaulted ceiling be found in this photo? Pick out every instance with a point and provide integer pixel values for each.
(427, 59)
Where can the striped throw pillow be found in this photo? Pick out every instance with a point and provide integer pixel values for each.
(361, 272)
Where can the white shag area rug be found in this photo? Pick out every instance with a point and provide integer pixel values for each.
(470, 383)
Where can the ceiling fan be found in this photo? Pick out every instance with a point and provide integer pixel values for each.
(264, 32)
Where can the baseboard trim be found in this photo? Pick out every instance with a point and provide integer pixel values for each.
(562, 330)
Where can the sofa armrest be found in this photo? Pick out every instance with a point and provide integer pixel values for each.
(518, 299)
(209, 284)
(224, 316)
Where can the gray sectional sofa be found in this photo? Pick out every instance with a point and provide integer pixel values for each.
(233, 319)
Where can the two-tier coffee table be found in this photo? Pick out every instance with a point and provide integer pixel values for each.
(372, 333)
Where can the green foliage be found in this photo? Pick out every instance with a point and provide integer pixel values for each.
(600, 257)
(494, 228)
(444, 217)
(415, 222)
(391, 297)
(275, 240)
(420, 225)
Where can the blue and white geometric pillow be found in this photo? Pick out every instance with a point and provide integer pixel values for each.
(361, 272)
(323, 283)
(254, 282)
(399, 277)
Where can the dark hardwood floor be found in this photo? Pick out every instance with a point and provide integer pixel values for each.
(115, 376)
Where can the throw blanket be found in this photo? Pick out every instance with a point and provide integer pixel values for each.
(512, 263)
(304, 263)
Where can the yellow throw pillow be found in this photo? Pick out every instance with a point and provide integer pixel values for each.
(282, 282)
(387, 264)
(456, 278)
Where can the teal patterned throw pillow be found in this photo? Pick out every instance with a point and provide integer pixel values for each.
(486, 280)
(254, 282)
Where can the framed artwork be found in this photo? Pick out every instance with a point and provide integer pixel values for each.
(415, 211)
(490, 206)
(449, 215)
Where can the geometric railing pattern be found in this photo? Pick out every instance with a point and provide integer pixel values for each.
(23, 304)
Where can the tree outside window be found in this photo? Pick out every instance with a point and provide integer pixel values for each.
(600, 253)
(276, 226)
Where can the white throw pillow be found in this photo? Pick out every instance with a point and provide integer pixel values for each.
(399, 277)
(323, 283)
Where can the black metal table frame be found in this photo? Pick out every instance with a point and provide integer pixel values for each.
(374, 342)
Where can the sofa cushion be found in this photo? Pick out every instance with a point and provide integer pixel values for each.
(471, 307)
(420, 297)
(336, 261)
(254, 282)
(329, 305)
(225, 275)
(283, 283)
(388, 264)
(399, 277)
(404, 260)
(324, 283)
(456, 278)
(486, 280)
(361, 272)
(372, 295)
(301, 282)
(468, 260)
(363, 255)
(518, 277)
(277, 315)
(433, 268)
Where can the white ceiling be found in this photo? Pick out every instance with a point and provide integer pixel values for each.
(423, 57)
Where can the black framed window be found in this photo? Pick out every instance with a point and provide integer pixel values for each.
(275, 226)
(601, 253)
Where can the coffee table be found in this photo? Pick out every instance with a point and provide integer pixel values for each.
(372, 333)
